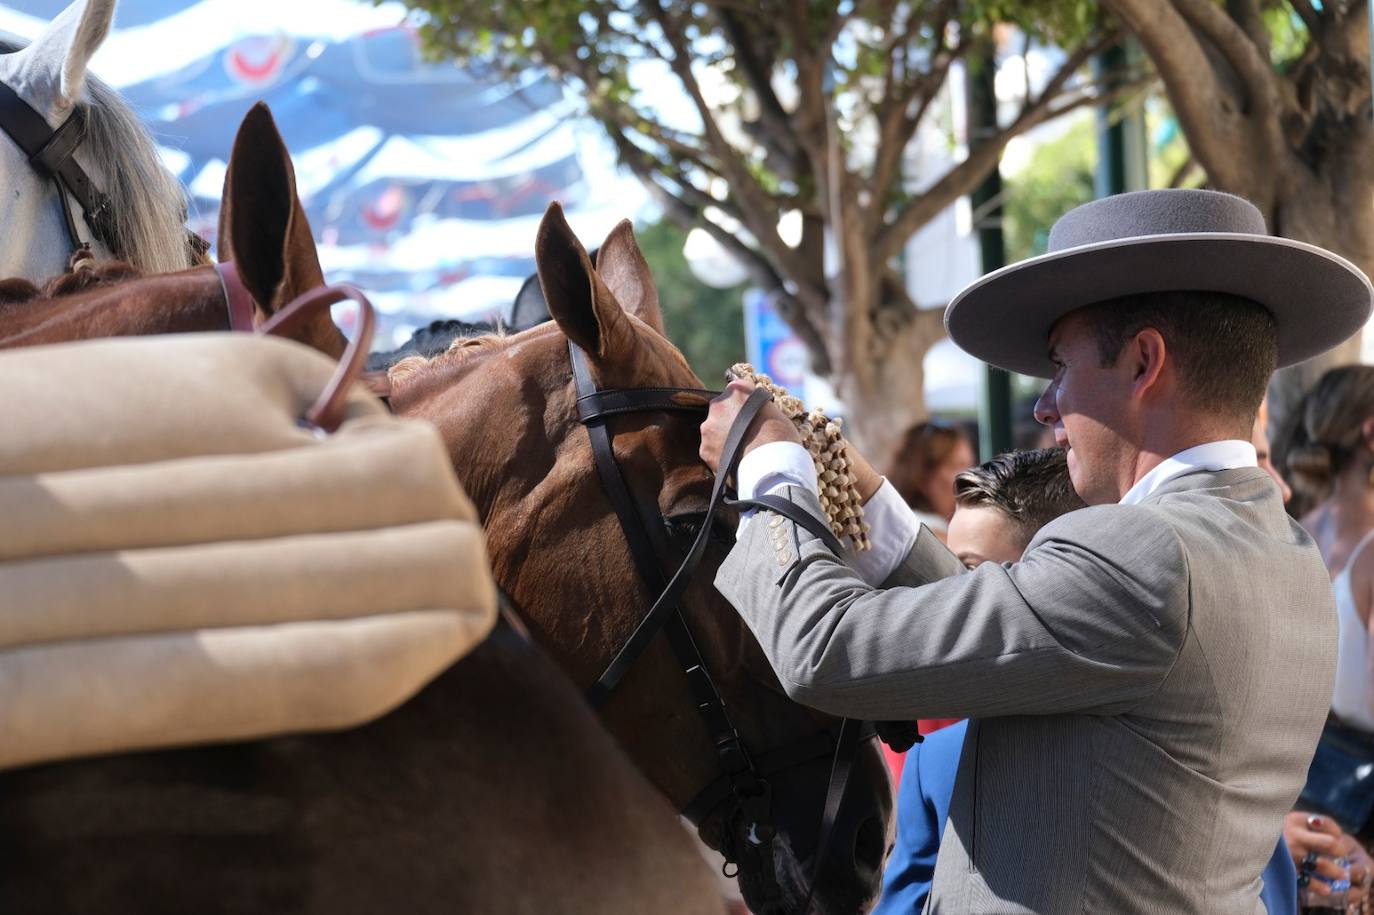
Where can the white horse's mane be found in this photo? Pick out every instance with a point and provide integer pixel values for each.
(149, 203)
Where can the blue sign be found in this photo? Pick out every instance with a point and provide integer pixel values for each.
(770, 345)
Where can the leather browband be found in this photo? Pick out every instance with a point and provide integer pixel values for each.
(596, 404)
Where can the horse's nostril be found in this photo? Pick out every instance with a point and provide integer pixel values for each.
(869, 841)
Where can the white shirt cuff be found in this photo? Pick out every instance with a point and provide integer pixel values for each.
(893, 527)
(774, 465)
(770, 467)
(892, 532)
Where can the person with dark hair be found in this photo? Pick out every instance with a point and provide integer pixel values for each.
(1333, 463)
(930, 454)
(1147, 684)
(1000, 504)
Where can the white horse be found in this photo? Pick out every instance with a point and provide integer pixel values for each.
(119, 155)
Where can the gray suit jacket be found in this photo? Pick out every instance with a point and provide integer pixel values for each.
(1148, 685)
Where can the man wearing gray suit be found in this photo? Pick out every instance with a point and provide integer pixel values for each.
(1149, 682)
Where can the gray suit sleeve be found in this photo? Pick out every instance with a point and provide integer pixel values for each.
(929, 560)
(1091, 620)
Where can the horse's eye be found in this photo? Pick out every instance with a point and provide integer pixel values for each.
(685, 526)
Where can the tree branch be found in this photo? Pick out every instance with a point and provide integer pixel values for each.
(898, 124)
(761, 272)
(983, 157)
(614, 118)
(776, 134)
(759, 212)
(1308, 15)
(1209, 116)
(1071, 64)
(1239, 51)
(1181, 173)
(1246, 15)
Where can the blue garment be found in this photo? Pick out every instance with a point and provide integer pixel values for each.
(923, 806)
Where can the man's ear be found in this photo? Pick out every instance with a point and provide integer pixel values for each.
(578, 300)
(1148, 354)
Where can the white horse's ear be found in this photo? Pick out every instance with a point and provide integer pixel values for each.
(54, 65)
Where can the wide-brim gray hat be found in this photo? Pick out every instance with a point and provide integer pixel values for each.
(1174, 240)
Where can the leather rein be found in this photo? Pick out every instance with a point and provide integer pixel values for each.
(743, 780)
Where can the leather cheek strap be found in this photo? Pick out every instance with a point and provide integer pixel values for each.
(51, 152)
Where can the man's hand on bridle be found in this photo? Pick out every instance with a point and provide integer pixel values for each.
(769, 426)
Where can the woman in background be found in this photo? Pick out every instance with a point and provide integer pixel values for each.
(930, 456)
(1332, 461)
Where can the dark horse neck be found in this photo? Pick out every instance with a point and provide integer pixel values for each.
(493, 790)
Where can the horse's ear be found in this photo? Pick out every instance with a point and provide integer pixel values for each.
(577, 298)
(263, 228)
(626, 273)
(51, 72)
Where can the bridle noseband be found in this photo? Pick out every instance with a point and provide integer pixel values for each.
(743, 781)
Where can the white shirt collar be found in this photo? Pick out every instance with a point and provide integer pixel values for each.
(1212, 456)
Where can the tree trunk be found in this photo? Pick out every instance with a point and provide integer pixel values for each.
(1296, 142)
(883, 386)
(1335, 210)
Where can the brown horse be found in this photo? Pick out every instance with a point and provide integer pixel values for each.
(554, 542)
(506, 408)
(495, 789)
(263, 229)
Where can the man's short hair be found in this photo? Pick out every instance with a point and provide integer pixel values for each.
(1225, 346)
(1031, 488)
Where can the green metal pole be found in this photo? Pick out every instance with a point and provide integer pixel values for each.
(1110, 177)
(1122, 150)
(994, 408)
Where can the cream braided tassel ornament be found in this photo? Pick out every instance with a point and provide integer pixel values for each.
(830, 452)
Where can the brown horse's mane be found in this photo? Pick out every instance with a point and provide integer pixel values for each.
(460, 350)
(17, 290)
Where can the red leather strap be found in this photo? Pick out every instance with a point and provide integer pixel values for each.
(243, 311)
(327, 412)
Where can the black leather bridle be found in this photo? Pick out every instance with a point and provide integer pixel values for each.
(743, 781)
(52, 153)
